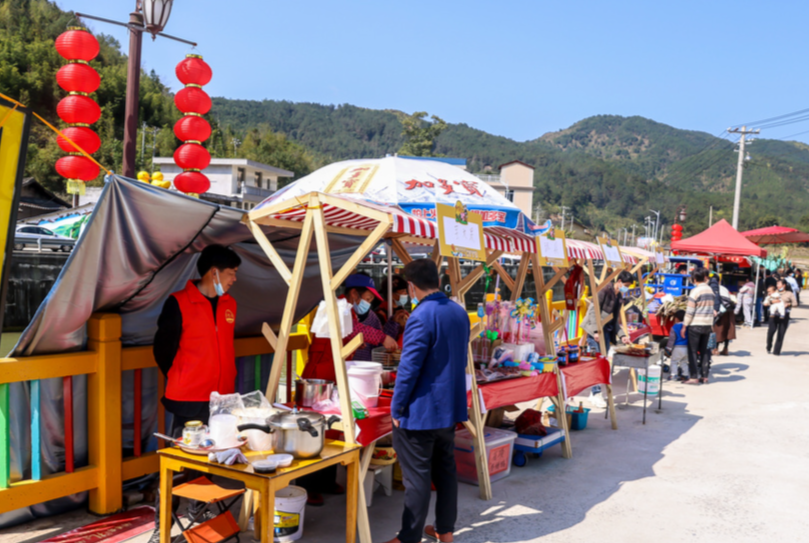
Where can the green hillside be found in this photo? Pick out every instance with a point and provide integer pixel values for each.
(611, 170)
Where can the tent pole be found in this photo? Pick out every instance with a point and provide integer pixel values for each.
(389, 252)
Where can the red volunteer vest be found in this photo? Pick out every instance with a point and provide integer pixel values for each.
(205, 361)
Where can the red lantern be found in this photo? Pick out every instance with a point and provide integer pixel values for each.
(192, 128)
(77, 167)
(194, 71)
(191, 156)
(78, 109)
(677, 227)
(84, 137)
(76, 77)
(193, 100)
(192, 182)
(77, 44)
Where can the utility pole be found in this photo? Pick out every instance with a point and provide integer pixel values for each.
(657, 222)
(710, 217)
(563, 217)
(739, 169)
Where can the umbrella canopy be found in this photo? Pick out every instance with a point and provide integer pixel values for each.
(413, 185)
(772, 235)
(719, 239)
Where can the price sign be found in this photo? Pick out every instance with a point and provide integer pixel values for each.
(552, 249)
(460, 233)
(612, 254)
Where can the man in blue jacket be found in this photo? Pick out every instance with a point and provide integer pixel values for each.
(428, 402)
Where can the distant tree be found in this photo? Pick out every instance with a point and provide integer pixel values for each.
(420, 135)
(767, 220)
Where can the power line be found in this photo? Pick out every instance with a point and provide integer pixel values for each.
(784, 122)
(756, 123)
(793, 135)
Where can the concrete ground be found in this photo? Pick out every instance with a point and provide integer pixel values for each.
(723, 462)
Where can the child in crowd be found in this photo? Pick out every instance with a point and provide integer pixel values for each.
(677, 349)
(776, 306)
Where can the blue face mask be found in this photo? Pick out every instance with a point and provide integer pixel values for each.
(362, 307)
(623, 290)
(403, 300)
(217, 285)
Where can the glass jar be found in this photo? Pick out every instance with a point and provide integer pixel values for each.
(194, 433)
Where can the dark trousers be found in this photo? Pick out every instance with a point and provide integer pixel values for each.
(425, 456)
(778, 329)
(699, 358)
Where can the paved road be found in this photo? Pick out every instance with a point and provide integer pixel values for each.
(723, 462)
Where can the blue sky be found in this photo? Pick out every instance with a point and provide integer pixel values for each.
(517, 69)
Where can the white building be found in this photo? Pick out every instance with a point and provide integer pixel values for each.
(236, 182)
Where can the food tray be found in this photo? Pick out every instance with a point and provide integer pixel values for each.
(388, 360)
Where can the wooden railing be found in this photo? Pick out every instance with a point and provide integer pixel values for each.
(102, 363)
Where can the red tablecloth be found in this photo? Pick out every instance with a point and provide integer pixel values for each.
(582, 375)
(634, 335)
(513, 391)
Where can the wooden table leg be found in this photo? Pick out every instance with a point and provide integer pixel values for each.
(246, 510)
(362, 508)
(267, 505)
(352, 493)
(166, 483)
(257, 522)
(611, 407)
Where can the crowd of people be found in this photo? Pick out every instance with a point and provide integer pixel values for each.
(708, 324)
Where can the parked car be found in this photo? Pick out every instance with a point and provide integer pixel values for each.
(29, 235)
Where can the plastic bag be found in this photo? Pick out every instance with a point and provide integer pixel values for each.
(255, 400)
(225, 404)
(530, 423)
(320, 324)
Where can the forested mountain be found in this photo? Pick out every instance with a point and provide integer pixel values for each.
(610, 170)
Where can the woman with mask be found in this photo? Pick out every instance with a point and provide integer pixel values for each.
(360, 293)
(394, 327)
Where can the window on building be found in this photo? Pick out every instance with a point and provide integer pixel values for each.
(258, 180)
(240, 175)
(509, 195)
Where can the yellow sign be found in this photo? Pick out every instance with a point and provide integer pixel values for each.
(352, 180)
(552, 248)
(460, 233)
(14, 123)
(612, 254)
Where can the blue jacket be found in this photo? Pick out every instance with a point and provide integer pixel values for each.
(430, 391)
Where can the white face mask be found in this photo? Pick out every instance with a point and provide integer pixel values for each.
(413, 296)
(403, 300)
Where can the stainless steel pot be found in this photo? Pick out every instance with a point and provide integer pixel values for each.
(308, 392)
(300, 433)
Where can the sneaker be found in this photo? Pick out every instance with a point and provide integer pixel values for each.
(597, 401)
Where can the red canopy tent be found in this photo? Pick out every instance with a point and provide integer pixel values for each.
(719, 239)
(776, 234)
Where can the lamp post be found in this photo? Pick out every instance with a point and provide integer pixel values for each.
(149, 16)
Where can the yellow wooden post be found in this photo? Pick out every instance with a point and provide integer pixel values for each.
(104, 413)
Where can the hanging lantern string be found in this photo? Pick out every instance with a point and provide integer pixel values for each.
(49, 125)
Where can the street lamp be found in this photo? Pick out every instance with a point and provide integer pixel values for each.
(681, 213)
(150, 16)
(156, 15)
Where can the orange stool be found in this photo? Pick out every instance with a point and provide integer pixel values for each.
(223, 526)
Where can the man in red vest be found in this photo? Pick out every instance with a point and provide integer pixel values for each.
(193, 347)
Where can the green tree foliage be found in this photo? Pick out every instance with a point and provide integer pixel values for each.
(419, 134)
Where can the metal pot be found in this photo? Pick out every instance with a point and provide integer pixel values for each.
(300, 433)
(308, 392)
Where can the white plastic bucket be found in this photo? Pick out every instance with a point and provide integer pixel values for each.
(364, 380)
(654, 380)
(290, 506)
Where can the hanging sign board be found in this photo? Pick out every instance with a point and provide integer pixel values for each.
(660, 256)
(612, 254)
(552, 248)
(460, 233)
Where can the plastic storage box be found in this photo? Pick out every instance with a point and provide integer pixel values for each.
(499, 448)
